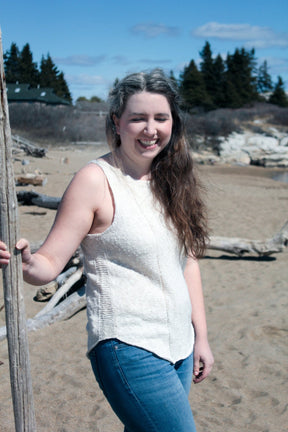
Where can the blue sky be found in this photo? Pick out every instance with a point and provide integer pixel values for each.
(95, 42)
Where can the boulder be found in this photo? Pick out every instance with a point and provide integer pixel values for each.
(255, 149)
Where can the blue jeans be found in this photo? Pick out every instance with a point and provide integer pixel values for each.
(147, 393)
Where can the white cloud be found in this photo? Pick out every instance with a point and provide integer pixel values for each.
(151, 30)
(254, 36)
(85, 79)
(80, 60)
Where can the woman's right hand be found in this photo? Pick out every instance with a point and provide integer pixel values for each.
(22, 245)
(4, 254)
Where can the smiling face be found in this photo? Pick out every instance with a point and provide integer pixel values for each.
(145, 126)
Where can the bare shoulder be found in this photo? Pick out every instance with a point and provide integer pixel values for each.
(88, 185)
(91, 176)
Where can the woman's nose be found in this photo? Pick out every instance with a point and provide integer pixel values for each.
(150, 129)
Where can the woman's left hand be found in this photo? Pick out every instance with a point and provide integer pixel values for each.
(203, 360)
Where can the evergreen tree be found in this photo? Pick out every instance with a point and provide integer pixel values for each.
(219, 76)
(61, 88)
(264, 80)
(279, 96)
(208, 72)
(231, 96)
(192, 88)
(240, 76)
(28, 69)
(12, 65)
(51, 77)
(48, 72)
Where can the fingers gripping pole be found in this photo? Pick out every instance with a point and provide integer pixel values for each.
(20, 378)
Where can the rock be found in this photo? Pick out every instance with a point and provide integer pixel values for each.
(255, 149)
(45, 293)
(284, 141)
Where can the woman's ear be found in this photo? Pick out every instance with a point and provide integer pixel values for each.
(116, 123)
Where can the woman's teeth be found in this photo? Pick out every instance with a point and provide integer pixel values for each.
(147, 143)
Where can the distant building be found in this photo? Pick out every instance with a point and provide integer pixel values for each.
(25, 93)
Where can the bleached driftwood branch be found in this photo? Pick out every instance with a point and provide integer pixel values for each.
(64, 310)
(28, 147)
(61, 292)
(239, 247)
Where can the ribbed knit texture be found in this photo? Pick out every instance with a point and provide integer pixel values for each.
(136, 291)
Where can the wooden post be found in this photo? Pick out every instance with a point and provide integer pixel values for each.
(21, 385)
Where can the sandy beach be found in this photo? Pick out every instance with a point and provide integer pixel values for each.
(246, 303)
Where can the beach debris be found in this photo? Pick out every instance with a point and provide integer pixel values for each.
(27, 146)
(45, 293)
(30, 178)
(37, 199)
(239, 247)
(62, 291)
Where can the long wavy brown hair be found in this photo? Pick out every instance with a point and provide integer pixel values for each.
(173, 179)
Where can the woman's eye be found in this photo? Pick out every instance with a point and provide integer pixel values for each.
(136, 119)
(161, 119)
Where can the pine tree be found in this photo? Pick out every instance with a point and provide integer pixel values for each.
(279, 96)
(208, 72)
(12, 64)
(48, 72)
(240, 75)
(61, 88)
(192, 88)
(28, 69)
(219, 76)
(51, 77)
(264, 80)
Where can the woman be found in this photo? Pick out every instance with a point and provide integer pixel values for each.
(139, 218)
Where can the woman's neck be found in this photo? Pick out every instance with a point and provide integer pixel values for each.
(130, 167)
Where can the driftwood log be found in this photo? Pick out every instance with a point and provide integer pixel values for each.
(20, 376)
(37, 199)
(240, 246)
(64, 310)
(29, 148)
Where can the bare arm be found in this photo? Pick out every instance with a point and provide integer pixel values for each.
(74, 219)
(202, 351)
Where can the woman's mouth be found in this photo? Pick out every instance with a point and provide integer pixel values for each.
(148, 143)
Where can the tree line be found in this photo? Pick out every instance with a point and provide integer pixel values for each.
(231, 83)
(216, 83)
(20, 68)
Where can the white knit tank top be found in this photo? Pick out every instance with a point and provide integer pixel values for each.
(136, 291)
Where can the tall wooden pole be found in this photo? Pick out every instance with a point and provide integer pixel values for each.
(20, 378)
